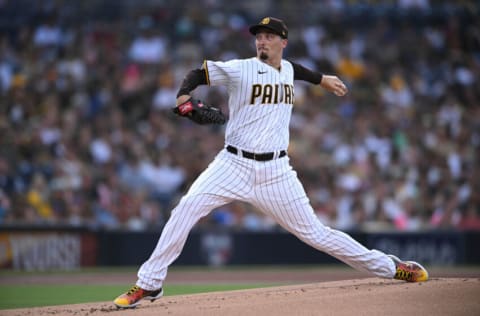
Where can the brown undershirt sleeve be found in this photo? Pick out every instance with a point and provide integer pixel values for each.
(305, 74)
(192, 80)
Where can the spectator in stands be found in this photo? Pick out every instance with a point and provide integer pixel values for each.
(84, 102)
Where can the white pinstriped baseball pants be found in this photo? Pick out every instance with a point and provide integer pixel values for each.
(273, 187)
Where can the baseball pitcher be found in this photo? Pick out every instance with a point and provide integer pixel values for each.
(254, 165)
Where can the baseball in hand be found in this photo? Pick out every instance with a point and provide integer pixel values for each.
(334, 85)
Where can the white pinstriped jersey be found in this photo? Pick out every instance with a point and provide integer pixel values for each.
(260, 102)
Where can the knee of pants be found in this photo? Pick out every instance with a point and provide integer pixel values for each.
(195, 205)
(312, 234)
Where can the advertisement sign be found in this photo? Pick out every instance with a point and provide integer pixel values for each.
(41, 251)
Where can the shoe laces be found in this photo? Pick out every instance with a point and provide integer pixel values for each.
(405, 271)
(403, 274)
(133, 290)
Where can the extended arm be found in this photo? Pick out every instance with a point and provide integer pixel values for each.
(328, 82)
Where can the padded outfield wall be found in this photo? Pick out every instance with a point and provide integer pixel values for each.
(28, 248)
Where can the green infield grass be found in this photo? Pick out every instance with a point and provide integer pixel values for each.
(34, 295)
(21, 296)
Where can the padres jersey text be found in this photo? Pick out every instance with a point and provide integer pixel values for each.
(260, 102)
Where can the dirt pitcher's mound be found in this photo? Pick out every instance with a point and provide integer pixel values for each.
(372, 296)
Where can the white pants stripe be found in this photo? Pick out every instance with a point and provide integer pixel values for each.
(273, 187)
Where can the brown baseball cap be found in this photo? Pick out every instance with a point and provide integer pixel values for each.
(275, 25)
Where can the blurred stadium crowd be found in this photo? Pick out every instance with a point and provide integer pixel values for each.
(88, 138)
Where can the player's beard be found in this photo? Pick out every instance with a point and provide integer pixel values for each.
(263, 56)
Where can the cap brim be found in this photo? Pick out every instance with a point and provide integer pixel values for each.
(254, 29)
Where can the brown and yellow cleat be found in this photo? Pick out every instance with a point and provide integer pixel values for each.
(133, 297)
(409, 271)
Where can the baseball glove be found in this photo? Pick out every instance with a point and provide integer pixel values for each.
(199, 113)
